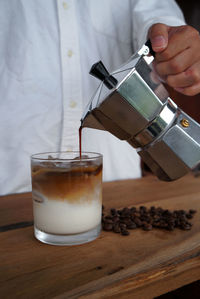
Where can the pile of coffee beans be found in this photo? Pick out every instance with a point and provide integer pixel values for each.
(123, 220)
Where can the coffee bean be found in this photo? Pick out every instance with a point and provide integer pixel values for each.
(107, 226)
(142, 210)
(130, 218)
(132, 226)
(115, 218)
(108, 221)
(147, 226)
(170, 227)
(113, 211)
(152, 209)
(125, 233)
(189, 216)
(191, 211)
(136, 214)
(138, 222)
(126, 210)
(122, 225)
(185, 227)
(108, 217)
(116, 228)
(126, 221)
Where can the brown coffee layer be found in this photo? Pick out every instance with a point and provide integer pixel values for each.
(57, 183)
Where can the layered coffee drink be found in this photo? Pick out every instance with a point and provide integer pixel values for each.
(67, 193)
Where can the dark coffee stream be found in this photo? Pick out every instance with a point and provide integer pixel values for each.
(80, 141)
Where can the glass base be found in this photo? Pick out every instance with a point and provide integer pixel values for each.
(75, 239)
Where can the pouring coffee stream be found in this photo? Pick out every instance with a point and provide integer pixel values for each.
(99, 71)
(134, 105)
(80, 141)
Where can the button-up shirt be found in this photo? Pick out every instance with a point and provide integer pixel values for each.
(47, 48)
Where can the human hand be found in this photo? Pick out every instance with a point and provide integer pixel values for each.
(177, 59)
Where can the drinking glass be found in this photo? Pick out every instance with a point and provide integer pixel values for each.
(67, 197)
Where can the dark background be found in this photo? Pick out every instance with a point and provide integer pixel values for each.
(191, 10)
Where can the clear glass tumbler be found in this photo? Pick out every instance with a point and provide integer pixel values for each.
(67, 197)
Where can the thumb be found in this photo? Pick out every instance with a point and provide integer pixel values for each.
(158, 34)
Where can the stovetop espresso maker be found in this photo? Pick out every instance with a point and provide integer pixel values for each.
(133, 104)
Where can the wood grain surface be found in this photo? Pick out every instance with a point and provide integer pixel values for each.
(142, 265)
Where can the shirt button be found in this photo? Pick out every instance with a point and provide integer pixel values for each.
(69, 148)
(65, 5)
(73, 104)
(70, 53)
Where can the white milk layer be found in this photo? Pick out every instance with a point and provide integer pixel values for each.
(63, 217)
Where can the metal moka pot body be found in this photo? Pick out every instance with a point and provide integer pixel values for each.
(134, 105)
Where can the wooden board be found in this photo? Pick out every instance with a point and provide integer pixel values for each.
(141, 265)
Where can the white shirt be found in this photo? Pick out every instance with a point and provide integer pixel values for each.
(47, 48)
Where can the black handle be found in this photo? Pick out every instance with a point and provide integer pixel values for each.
(148, 44)
(99, 71)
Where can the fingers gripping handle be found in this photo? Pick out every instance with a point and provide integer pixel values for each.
(148, 44)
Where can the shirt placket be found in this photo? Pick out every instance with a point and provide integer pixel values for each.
(71, 74)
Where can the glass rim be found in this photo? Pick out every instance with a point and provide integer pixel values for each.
(38, 156)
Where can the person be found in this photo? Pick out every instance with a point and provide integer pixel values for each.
(47, 49)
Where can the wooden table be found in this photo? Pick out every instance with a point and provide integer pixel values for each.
(143, 265)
